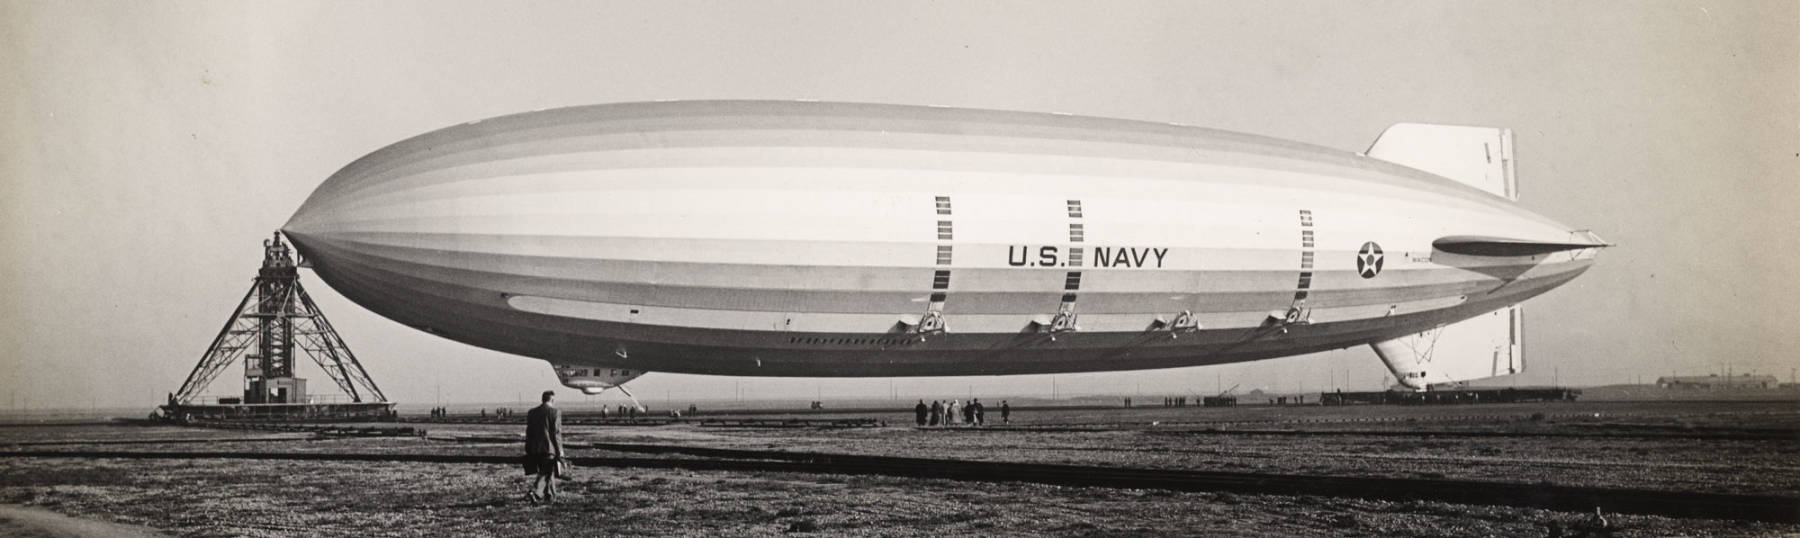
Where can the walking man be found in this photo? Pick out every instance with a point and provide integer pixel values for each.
(919, 412)
(543, 447)
(1005, 413)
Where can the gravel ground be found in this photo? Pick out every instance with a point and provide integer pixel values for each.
(284, 498)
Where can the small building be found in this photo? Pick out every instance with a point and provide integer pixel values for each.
(1716, 381)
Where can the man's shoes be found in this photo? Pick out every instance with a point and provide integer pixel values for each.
(534, 498)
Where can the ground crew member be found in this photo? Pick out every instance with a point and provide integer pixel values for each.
(543, 447)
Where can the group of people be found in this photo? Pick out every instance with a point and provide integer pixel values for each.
(499, 412)
(953, 412)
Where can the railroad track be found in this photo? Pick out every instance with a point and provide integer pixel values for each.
(1552, 497)
(1723, 434)
(1386, 420)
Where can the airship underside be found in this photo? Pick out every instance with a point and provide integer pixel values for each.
(830, 239)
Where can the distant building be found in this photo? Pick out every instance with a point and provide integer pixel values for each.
(1716, 381)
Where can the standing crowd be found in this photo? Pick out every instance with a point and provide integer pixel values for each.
(955, 412)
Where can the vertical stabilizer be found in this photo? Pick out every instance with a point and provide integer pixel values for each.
(1489, 345)
(1480, 157)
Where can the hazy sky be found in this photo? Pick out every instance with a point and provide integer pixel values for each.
(147, 147)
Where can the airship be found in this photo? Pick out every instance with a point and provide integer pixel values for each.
(818, 239)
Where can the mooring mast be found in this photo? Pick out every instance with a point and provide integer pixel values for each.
(274, 317)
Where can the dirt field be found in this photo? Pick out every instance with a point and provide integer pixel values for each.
(239, 498)
(1571, 446)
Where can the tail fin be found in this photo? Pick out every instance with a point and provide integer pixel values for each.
(1480, 157)
(1489, 345)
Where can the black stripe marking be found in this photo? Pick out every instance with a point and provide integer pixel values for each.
(1303, 287)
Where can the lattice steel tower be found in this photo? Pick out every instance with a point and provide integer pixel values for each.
(275, 317)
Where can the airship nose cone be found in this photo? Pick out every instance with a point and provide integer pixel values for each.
(302, 229)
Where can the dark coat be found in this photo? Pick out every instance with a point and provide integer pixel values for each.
(543, 431)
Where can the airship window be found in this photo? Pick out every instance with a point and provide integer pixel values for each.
(943, 205)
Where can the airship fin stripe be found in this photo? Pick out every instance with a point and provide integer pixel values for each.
(1500, 246)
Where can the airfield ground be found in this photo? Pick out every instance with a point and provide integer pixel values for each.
(1716, 447)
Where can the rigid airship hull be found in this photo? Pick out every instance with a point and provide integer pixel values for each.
(832, 239)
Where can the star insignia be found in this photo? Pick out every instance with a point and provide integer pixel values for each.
(1369, 260)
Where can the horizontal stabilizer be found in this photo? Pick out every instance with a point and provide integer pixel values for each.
(1480, 157)
(1474, 245)
(1488, 345)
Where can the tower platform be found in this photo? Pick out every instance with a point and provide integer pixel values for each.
(275, 318)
